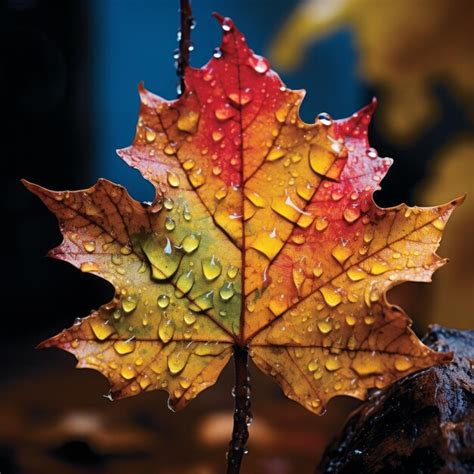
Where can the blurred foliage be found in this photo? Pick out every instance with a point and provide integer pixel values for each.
(405, 48)
(451, 301)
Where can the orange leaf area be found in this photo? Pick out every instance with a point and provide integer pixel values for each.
(263, 234)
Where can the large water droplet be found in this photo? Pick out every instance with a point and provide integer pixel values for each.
(332, 363)
(191, 242)
(101, 329)
(226, 291)
(325, 326)
(341, 253)
(128, 372)
(188, 122)
(124, 347)
(164, 260)
(169, 224)
(173, 179)
(129, 303)
(166, 328)
(177, 360)
(163, 301)
(268, 243)
(203, 302)
(89, 246)
(331, 296)
(356, 274)
(150, 135)
(211, 267)
(403, 363)
(185, 282)
(278, 304)
(325, 119)
(224, 112)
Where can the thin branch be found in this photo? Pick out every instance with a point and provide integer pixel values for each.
(242, 414)
(184, 40)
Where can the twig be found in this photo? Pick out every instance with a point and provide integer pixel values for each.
(184, 40)
(242, 414)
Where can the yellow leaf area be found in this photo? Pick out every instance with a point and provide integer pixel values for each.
(263, 235)
(395, 41)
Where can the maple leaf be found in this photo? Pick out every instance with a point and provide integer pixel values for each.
(263, 235)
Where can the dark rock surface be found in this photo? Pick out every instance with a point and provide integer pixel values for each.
(423, 423)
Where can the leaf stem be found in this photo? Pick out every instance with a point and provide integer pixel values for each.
(242, 414)
(184, 40)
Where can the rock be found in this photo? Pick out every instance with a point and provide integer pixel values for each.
(423, 423)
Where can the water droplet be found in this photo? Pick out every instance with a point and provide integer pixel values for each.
(211, 267)
(170, 149)
(173, 179)
(164, 260)
(197, 177)
(191, 242)
(258, 63)
(332, 363)
(276, 153)
(331, 296)
(240, 98)
(124, 347)
(313, 365)
(89, 246)
(325, 326)
(128, 372)
(226, 291)
(125, 250)
(318, 374)
(166, 328)
(232, 272)
(177, 360)
(185, 282)
(168, 203)
(224, 113)
(163, 301)
(203, 302)
(217, 53)
(217, 135)
(350, 320)
(341, 253)
(101, 329)
(356, 274)
(351, 214)
(267, 243)
(88, 267)
(150, 135)
(439, 224)
(287, 208)
(403, 363)
(378, 268)
(169, 223)
(369, 320)
(320, 223)
(189, 318)
(372, 153)
(255, 199)
(188, 122)
(278, 304)
(144, 382)
(189, 164)
(129, 303)
(318, 270)
(221, 193)
(325, 119)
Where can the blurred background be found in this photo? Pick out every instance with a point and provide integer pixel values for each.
(68, 84)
